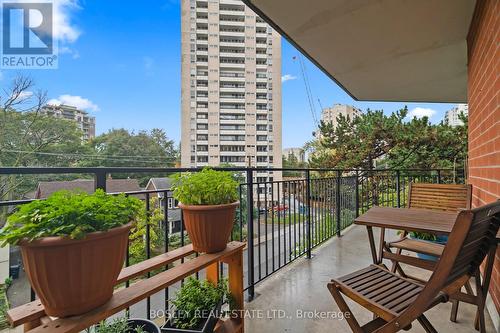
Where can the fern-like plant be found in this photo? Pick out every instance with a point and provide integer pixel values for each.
(69, 214)
(207, 187)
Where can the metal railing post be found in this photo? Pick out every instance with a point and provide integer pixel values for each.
(439, 176)
(357, 194)
(337, 201)
(250, 247)
(100, 180)
(308, 213)
(398, 187)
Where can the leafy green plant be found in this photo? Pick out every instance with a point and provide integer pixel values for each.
(118, 325)
(196, 297)
(69, 214)
(207, 187)
(423, 236)
(8, 282)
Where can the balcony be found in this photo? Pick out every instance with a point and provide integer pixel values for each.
(281, 278)
(301, 287)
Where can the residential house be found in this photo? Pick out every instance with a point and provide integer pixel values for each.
(166, 202)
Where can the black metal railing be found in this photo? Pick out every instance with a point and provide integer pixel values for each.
(281, 219)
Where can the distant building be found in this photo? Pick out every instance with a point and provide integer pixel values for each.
(330, 115)
(451, 117)
(297, 152)
(84, 122)
(173, 211)
(45, 189)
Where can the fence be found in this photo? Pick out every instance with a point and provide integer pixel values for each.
(281, 220)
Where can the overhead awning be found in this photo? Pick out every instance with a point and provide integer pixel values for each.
(381, 50)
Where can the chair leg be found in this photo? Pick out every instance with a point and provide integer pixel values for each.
(480, 323)
(395, 264)
(426, 324)
(344, 308)
(454, 310)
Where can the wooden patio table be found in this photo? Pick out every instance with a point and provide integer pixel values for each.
(421, 220)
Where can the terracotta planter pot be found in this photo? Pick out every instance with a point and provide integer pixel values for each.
(209, 227)
(72, 277)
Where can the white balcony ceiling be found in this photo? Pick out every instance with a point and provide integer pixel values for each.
(381, 50)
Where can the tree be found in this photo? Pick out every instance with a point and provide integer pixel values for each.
(443, 146)
(358, 142)
(29, 138)
(121, 148)
(391, 140)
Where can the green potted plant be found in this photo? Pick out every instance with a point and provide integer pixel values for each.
(208, 200)
(73, 246)
(124, 325)
(197, 307)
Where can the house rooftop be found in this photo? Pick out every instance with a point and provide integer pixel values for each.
(45, 189)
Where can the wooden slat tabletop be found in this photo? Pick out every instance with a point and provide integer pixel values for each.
(410, 219)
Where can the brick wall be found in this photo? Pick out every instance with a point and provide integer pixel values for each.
(484, 113)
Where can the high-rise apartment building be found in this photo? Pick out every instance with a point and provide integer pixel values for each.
(82, 119)
(231, 87)
(330, 115)
(451, 117)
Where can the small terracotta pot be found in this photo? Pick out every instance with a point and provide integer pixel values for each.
(209, 227)
(71, 276)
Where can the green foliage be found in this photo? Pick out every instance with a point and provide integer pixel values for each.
(137, 245)
(197, 297)
(286, 218)
(122, 148)
(401, 143)
(72, 214)
(4, 304)
(8, 282)
(118, 325)
(423, 236)
(207, 187)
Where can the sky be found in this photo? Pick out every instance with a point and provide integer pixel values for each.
(120, 61)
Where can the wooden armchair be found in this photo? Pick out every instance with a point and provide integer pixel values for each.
(397, 301)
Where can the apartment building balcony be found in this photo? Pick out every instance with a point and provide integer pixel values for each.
(232, 33)
(232, 42)
(232, 88)
(232, 13)
(236, 55)
(233, 20)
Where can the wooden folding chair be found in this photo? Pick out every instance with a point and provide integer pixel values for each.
(397, 301)
(445, 197)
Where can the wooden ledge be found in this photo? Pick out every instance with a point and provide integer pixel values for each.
(34, 310)
(126, 297)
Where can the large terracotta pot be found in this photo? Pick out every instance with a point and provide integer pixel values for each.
(71, 276)
(209, 227)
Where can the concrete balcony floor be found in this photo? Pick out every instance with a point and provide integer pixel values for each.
(302, 286)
